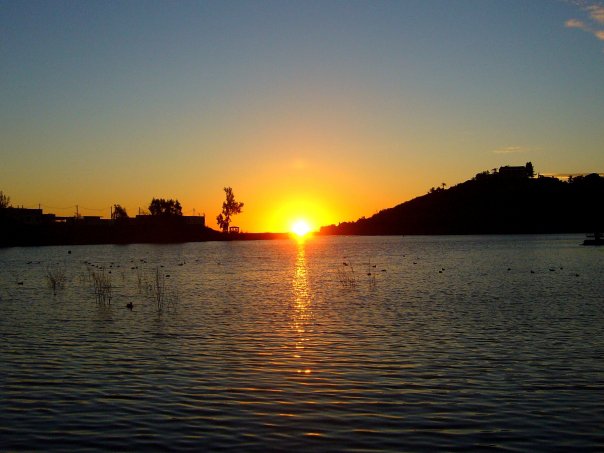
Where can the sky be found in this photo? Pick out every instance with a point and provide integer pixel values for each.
(319, 110)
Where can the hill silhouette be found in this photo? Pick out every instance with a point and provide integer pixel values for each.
(507, 201)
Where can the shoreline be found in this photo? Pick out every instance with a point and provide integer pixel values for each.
(216, 236)
(36, 236)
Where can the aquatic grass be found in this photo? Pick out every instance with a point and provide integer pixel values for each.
(140, 280)
(102, 286)
(55, 278)
(371, 275)
(349, 279)
(158, 288)
(346, 275)
(159, 291)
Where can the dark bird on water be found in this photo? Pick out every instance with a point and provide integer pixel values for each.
(129, 305)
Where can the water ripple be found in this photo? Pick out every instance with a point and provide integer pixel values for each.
(456, 345)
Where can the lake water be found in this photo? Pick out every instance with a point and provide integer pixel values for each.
(493, 342)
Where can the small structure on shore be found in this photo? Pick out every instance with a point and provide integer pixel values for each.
(594, 239)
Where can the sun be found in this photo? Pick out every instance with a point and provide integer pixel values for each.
(300, 228)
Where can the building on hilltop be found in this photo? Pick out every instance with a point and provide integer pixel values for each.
(199, 220)
(513, 172)
(147, 219)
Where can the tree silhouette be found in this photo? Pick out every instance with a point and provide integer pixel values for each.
(119, 213)
(530, 172)
(230, 207)
(4, 200)
(165, 208)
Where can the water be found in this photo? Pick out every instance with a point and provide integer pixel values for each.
(451, 343)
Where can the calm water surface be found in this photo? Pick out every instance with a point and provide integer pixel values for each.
(451, 343)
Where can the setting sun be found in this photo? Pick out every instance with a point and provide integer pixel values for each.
(300, 228)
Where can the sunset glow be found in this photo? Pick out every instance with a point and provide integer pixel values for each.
(300, 228)
(284, 213)
(367, 112)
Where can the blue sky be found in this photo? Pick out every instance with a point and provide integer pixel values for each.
(329, 110)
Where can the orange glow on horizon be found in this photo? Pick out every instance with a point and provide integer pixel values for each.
(299, 216)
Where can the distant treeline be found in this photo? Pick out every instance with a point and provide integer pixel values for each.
(78, 232)
(507, 201)
(162, 223)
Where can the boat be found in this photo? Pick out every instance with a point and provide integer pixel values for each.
(594, 239)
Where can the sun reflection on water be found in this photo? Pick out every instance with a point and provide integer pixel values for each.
(302, 312)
